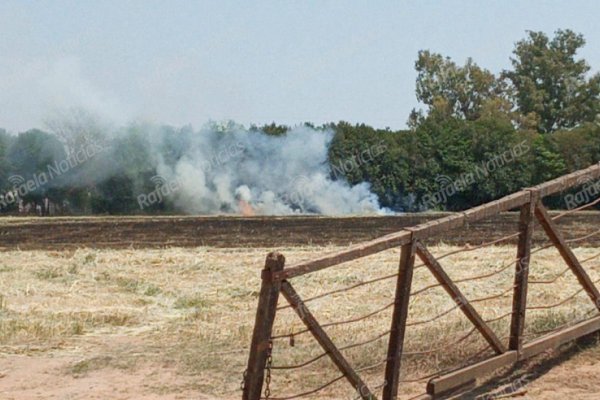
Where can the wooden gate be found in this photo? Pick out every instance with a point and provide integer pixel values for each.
(277, 282)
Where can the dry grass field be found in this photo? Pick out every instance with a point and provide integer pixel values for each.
(176, 323)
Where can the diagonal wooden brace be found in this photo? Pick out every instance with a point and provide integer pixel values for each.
(565, 251)
(453, 290)
(319, 334)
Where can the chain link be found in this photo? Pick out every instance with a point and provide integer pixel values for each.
(268, 369)
(243, 384)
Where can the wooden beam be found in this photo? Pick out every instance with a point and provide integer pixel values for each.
(453, 290)
(492, 208)
(323, 339)
(450, 382)
(399, 316)
(567, 254)
(263, 328)
(519, 308)
(568, 181)
(352, 253)
(557, 339)
(439, 225)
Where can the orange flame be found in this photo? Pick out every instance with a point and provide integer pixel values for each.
(246, 209)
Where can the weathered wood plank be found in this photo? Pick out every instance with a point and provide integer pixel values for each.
(567, 254)
(323, 339)
(568, 181)
(557, 339)
(519, 308)
(399, 316)
(453, 290)
(490, 209)
(440, 225)
(263, 328)
(352, 253)
(449, 382)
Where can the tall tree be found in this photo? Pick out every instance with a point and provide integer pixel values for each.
(549, 82)
(452, 90)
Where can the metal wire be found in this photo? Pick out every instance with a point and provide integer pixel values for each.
(338, 323)
(320, 296)
(379, 364)
(590, 258)
(437, 350)
(438, 316)
(547, 307)
(565, 325)
(503, 268)
(313, 391)
(497, 296)
(482, 245)
(304, 364)
(583, 207)
(348, 288)
(561, 274)
(350, 346)
(548, 282)
(499, 318)
(304, 394)
(374, 339)
(416, 267)
(574, 240)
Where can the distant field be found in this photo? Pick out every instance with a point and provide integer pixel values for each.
(176, 323)
(229, 231)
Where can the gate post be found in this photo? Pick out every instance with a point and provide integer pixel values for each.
(263, 327)
(396, 343)
(526, 223)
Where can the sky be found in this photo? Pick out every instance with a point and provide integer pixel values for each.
(187, 62)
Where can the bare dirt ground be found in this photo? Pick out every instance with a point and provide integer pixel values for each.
(176, 323)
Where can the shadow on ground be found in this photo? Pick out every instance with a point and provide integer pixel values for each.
(513, 382)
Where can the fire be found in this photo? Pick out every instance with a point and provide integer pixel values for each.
(246, 209)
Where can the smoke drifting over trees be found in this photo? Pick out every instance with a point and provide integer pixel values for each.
(548, 105)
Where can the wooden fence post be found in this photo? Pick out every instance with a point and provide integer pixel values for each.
(403, 286)
(526, 224)
(263, 328)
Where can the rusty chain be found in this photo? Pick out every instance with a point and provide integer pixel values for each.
(243, 384)
(268, 369)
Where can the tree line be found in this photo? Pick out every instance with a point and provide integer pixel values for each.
(478, 136)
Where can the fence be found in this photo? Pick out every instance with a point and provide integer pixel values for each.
(505, 351)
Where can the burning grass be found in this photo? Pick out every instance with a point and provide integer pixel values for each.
(193, 310)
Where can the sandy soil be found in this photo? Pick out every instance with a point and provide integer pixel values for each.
(88, 372)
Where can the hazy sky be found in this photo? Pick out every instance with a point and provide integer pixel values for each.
(181, 62)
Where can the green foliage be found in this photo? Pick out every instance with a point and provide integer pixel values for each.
(271, 129)
(479, 137)
(579, 147)
(549, 82)
(450, 90)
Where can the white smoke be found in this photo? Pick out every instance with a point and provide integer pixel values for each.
(228, 172)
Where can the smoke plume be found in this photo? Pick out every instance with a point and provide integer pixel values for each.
(248, 172)
(219, 169)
